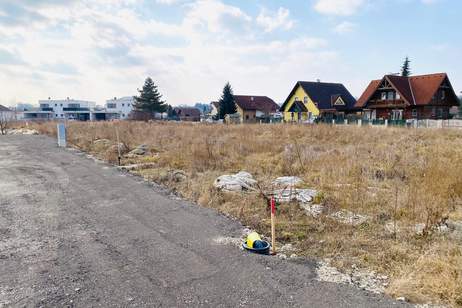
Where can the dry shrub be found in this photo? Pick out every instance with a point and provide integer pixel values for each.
(394, 175)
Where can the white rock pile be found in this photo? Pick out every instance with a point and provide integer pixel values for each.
(241, 181)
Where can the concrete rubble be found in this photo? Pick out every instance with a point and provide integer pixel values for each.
(140, 150)
(367, 280)
(313, 210)
(22, 131)
(348, 217)
(294, 194)
(241, 181)
(136, 166)
(287, 181)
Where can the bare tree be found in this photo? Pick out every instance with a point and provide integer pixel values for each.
(5, 120)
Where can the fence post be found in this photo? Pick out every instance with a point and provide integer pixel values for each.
(386, 122)
(360, 122)
(346, 121)
(333, 122)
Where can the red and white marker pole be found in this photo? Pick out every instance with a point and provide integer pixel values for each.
(273, 225)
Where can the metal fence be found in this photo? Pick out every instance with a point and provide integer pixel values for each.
(454, 123)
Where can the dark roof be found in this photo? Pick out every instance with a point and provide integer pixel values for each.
(187, 111)
(323, 93)
(261, 103)
(415, 90)
(3, 108)
(298, 106)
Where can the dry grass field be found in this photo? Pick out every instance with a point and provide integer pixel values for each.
(398, 177)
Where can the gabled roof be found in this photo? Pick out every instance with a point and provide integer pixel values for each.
(4, 109)
(415, 90)
(322, 94)
(298, 106)
(261, 103)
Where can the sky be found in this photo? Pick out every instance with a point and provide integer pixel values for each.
(99, 49)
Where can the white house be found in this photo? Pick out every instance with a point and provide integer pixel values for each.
(66, 109)
(120, 107)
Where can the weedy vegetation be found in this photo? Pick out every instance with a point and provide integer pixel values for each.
(400, 178)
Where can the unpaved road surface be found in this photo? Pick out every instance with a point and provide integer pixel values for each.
(78, 233)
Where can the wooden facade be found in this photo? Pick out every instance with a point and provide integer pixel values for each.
(403, 98)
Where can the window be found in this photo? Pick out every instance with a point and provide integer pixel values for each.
(414, 113)
(56, 115)
(390, 96)
(44, 105)
(296, 98)
(443, 94)
(74, 105)
(123, 105)
(305, 100)
(61, 105)
(123, 115)
(56, 105)
(62, 115)
(246, 116)
(111, 105)
(128, 105)
(384, 96)
(398, 96)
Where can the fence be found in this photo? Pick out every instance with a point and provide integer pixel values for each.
(402, 123)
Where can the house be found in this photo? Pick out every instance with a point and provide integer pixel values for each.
(311, 100)
(119, 108)
(189, 114)
(401, 98)
(253, 109)
(6, 113)
(67, 109)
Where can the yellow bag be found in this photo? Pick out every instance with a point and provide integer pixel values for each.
(252, 237)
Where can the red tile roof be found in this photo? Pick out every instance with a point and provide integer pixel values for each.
(261, 103)
(415, 90)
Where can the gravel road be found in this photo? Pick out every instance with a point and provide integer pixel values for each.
(75, 232)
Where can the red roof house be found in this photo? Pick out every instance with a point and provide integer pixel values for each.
(416, 97)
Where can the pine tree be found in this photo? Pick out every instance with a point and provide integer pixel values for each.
(171, 113)
(149, 100)
(226, 102)
(406, 69)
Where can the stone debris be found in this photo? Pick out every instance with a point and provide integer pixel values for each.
(313, 210)
(176, 176)
(287, 181)
(367, 280)
(136, 166)
(241, 181)
(294, 194)
(140, 150)
(22, 131)
(347, 217)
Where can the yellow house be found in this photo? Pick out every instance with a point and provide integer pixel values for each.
(310, 100)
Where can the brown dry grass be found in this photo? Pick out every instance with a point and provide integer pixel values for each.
(393, 175)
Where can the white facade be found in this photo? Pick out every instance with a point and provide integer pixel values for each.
(66, 109)
(121, 106)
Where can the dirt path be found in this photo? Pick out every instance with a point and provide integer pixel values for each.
(74, 232)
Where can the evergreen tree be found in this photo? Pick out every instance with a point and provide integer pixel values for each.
(149, 100)
(406, 69)
(171, 113)
(226, 102)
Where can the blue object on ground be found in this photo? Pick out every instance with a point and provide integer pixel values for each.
(264, 250)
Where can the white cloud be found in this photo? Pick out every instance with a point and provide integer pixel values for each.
(271, 21)
(339, 7)
(345, 27)
(91, 50)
